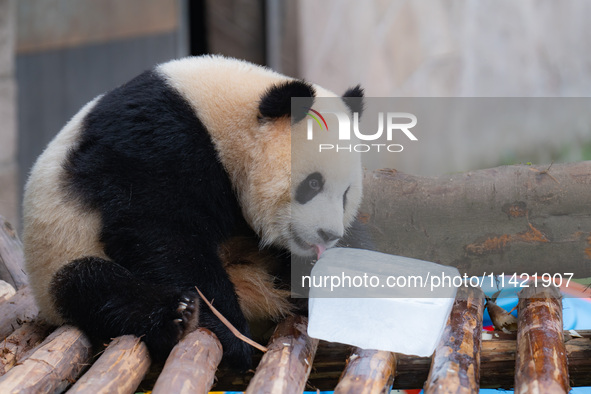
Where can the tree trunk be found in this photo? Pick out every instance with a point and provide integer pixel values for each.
(507, 219)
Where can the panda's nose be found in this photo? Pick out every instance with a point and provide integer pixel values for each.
(328, 236)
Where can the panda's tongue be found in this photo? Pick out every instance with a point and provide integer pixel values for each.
(319, 250)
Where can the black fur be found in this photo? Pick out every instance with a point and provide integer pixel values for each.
(106, 300)
(353, 98)
(276, 102)
(148, 165)
(309, 188)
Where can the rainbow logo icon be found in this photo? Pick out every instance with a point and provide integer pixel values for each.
(316, 118)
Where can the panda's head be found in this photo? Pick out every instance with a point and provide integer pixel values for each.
(247, 111)
(325, 189)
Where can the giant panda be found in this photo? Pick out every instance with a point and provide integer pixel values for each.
(136, 200)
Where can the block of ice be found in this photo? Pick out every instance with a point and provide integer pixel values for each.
(378, 301)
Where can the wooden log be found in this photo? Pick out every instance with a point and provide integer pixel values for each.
(456, 361)
(20, 343)
(53, 366)
(120, 368)
(368, 371)
(11, 255)
(505, 217)
(286, 365)
(578, 352)
(541, 362)
(497, 364)
(6, 291)
(15, 311)
(191, 366)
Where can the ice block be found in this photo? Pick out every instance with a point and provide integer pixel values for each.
(357, 298)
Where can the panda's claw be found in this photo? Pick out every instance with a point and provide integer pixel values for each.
(186, 315)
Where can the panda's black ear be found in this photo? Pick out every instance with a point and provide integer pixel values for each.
(276, 102)
(353, 97)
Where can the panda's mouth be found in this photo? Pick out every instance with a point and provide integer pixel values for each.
(316, 249)
(300, 242)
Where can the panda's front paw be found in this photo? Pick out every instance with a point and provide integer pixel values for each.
(187, 314)
(175, 317)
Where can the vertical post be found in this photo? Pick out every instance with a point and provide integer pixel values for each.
(541, 364)
(191, 366)
(456, 362)
(368, 371)
(286, 365)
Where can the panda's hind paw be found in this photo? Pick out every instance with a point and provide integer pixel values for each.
(187, 314)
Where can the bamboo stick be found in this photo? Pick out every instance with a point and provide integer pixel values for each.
(191, 366)
(11, 255)
(287, 364)
(368, 371)
(53, 366)
(541, 362)
(120, 369)
(456, 362)
(20, 343)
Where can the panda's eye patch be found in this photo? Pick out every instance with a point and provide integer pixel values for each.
(309, 187)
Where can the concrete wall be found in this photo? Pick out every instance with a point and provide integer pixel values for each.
(236, 28)
(8, 127)
(451, 48)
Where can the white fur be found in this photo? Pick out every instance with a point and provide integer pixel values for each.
(57, 229)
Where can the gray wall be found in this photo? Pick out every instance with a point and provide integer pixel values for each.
(70, 51)
(8, 128)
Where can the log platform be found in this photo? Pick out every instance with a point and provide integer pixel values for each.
(539, 357)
